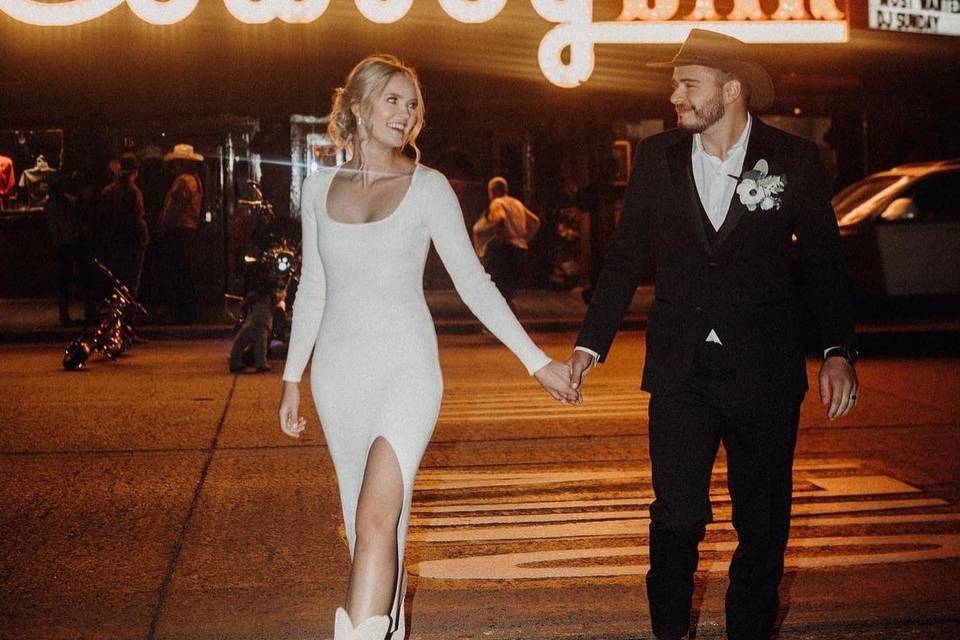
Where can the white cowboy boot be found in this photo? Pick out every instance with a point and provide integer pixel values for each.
(399, 611)
(401, 631)
(373, 628)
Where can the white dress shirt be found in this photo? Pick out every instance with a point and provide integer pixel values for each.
(716, 181)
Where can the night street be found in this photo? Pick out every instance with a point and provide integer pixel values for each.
(196, 196)
(155, 497)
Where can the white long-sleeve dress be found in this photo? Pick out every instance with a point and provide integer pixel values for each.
(360, 309)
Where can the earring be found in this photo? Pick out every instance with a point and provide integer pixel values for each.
(359, 121)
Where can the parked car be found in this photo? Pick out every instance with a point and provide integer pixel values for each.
(901, 230)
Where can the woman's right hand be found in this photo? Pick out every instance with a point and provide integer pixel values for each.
(555, 377)
(290, 421)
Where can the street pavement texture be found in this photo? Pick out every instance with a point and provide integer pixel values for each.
(155, 497)
(29, 320)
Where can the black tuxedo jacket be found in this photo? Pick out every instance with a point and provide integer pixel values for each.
(741, 282)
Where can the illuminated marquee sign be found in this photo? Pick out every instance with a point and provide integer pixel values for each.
(794, 21)
(940, 17)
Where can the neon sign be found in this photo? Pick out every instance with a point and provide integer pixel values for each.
(574, 32)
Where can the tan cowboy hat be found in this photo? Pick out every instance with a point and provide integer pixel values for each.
(183, 152)
(712, 49)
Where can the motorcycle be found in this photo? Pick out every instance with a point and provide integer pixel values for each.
(271, 268)
(113, 334)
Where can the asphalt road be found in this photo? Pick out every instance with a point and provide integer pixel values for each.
(154, 497)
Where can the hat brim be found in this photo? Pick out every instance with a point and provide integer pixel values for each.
(150, 152)
(761, 84)
(170, 157)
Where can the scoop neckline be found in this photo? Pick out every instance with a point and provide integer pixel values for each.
(326, 210)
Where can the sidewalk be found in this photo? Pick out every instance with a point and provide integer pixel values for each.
(35, 319)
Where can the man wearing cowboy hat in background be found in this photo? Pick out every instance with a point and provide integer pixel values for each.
(716, 203)
(179, 222)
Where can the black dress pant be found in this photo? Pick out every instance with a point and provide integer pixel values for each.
(68, 256)
(505, 264)
(758, 431)
(181, 257)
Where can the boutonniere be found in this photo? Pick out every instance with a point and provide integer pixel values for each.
(757, 188)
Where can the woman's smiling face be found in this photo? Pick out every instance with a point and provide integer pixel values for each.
(393, 114)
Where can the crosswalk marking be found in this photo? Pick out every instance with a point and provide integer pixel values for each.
(828, 486)
(831, 497)
(512, 402)
(643, 514)
(637, 527)
(569, 563)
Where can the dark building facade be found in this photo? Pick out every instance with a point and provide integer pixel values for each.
(251, 98)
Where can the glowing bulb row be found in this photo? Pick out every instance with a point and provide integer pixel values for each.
(742, 10)
(164, 12)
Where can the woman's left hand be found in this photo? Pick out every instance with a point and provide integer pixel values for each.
(291, 423)
(555, 378)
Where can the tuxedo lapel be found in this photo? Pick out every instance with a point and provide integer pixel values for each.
(757, 148)
(685, 187)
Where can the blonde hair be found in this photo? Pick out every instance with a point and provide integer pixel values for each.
(365, 82)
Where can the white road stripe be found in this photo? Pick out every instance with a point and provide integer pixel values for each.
(832, 486)
(815, 508)
(537, 564)
(514, 404)
(822, 501)
(637, 527)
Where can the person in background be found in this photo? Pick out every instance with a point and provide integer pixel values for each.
(63, 222)
(258, 311)
(121, 235)
(154, 183)
(179, 223)
(125, 235)
(503, 235)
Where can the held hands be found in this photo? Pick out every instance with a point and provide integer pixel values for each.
(562, 380)
(290, 421)
(838, 387)
(555, 377)
(580, 363)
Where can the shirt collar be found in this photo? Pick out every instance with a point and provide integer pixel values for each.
(738, 146)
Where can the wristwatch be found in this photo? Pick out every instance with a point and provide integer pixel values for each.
(849, 354)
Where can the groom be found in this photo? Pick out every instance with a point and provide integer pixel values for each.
(716, 203)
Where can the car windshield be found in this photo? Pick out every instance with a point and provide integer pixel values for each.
(856, 201)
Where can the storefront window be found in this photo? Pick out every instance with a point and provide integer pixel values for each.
(29, 160)
(311, 149)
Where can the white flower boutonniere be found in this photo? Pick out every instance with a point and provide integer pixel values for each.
(757, 188)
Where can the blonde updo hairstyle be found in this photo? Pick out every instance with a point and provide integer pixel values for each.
(364, 85)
